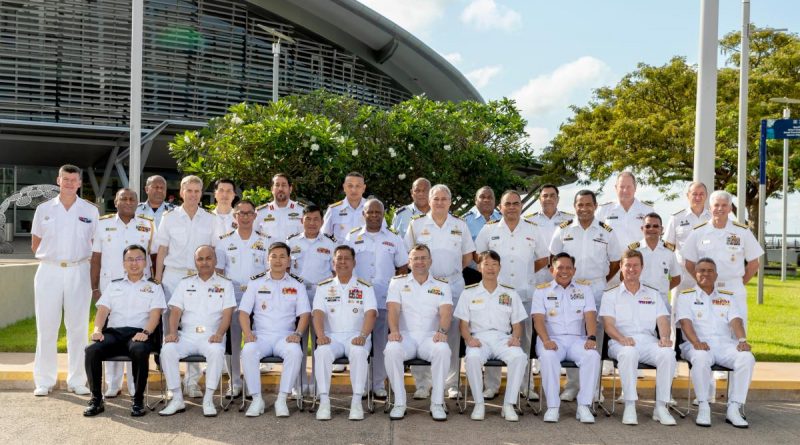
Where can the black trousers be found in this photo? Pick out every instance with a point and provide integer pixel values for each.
(118, 341)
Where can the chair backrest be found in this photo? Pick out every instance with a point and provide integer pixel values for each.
(678, 341)
(604, 348)
(534, 335)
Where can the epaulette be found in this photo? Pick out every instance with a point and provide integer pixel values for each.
(227, 234)
(543, 285)
(471, 286)
(699, 225)
(531, 215)
(223, 276)
(506, 286)
(634, 246)
(724, 292)
(300, 204)
(118, 279)
(260, 233)
(152, 280)
(605, 226)
(584, 282)
(648, 203)
(108, 215)
(296, 277)
(530, 222)
(738, 224)
(355, 230)
(294, 236)
(679, 212)
(568, 213)
(669, 245)
(491, 222)
(189, 276)
(393, 230)
(335, 204)
(443, 280)
(262, 206)
(168, 211)
(611, 288)
(325, 281)
(401, 275)
(416, 217)
(651, 287)
(146, 217)
(688, 291)
(606, 203)
(330, 237)
(364, 282)
(97, 206)
(564, 224)
(402, 209)
(257, 276)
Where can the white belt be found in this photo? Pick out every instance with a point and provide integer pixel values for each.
(186, 272)
(66, 263)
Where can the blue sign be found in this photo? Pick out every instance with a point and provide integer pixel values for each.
(783, 128)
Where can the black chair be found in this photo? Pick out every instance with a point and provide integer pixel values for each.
(344, 361)
(155, 340)
(491, 363)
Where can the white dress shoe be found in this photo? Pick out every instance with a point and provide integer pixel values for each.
(438, 413)
(356, 410)
(422, 393)
(489, 393)
(265, 368)
(193, 391)
(112, 393)
(281, 409)
(174, 406)
(535, 367)
(532, 395)
(703, 415)
(324, 410)
(256, 408)
(398, 412)
(478, 412)
(551, 415)
(453, 393)
(661, 415)
(380, 393)
(569, 394)
(296, 395)
(208, 408)
(608, 367)
(584, 414)
(629, 415)
(41, 391)
(734, 416)
(720, 375)
(509, 413)
(79, 390)
(233, 392)
(339, 368)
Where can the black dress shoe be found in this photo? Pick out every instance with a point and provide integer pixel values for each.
(96, 406)
(137, 410)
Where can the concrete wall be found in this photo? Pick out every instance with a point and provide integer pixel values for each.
(16, 292)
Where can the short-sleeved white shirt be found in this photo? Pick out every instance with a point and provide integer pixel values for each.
(564, 308)
(279, 222)
(66, 234)
(547, 227)
(340, 218)
(680, 226)
(111, 238)
(710, 314)
(419, 303)
(448, 243)
(594, 248)
(634, 314)
(183, 235)
(130, 303)
(378, 255)
(275, 304)
(627, 225)
(490, 311)
(223, 223)
(144, 209)
(312, 258)
(729, 247)
(344, 304)
(202, 303)
(660, 265)
(241, 259)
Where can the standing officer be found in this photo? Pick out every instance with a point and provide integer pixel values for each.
(661, 270)
(241, 254)
(281, 217)
(547, 220)
(276, 299)
(202, 305)
(481, 213)
(224, 195)
(491, 317)
(519, 242)
(180, 233)
(380, 254)
(420, 308)
(419, 206)
(627, 214)
(343, 216)
(630, 313)
(127, 313)
(680, 226)
(115, 232)
(708, 317)
(155, 206)
(61, 239)
(564, 312)
(344, 315)
(451, 248)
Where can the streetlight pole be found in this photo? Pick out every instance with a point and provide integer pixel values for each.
(744, 76)
(786, 114)
(706, 110)
(135, 141)
(276, 55)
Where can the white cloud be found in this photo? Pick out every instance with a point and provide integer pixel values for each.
(481, 76)
(486, 15)
(538, 137)
(415, 16)
(453, 58)
(553, 91)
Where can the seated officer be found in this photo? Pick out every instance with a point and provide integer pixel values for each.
(491, 317)
(202, 305)
(420, 309)
(708, 316)
(344, 316)
(275, 298)
(630, 312)
(563, 311)
(132, 306)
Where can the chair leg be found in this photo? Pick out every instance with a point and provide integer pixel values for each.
(370, 382)
(602, 406)
(244, 395)
(223, 403)
(163, 397)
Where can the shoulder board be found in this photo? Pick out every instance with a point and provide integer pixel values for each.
(606, 203)
(168, 211)
(564, 224)
(294, 235)
(611, 288)
(401, 210)
(648, 203)
(262, 206)
(91, 203)
(364, 282)
(634, 246)
(605, 226)
(325, 281)
(415, 217)
(189, 276)
(227, 234)
(300, 204)
(568, 213)
(494, 221)
(400, 276)
(152, 280)
(296, 277)
(147, 217)
(543, 285)
(393, 230)
(260, 233)
(669, 245)
(471, 286)
(506, 286)
(440, 279)
(257, 276)
(679, 212)
(651, 287)
(530, 215)
(335, 204)
(330, 237)
(584, 282)
(700, 225)
(118, 279)
(530, 222)
(108, 215)
(223, 276)
(738, 224)
(688, 291)
(724, 292)
(355, 230)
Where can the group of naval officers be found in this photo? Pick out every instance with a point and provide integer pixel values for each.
(264, 279)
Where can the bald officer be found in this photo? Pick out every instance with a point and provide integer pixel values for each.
(418, 206)
(202, 305)
(154, 207)
(61, 239)
(343, 216)
(280, 217)
(491, 317)
(344, 316)
(680, 226)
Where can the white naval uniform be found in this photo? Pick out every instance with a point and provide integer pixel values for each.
(677, 231)
(275, 304)
(144, 209)
(341, 218)
(223, 223)
(182, 236)
(62, 283)
(547, 227)
(448, 244)
(202, 303)
(660, 266)
(419, 321)
(491, 316)
(240, 259)
(344, 305)
(279, 222)
(729, 247)
(378, 255)
(711, 317)
(627, 225)
(402, 217)
(635, 316)
(564, 309)
(129, 303)
(111, 238)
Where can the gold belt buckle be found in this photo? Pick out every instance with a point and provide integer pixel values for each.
(200, 329)
(63, 264)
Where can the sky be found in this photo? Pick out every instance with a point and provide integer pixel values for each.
(548, 55)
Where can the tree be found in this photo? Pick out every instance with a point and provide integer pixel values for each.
(646, 122)
(319, 137)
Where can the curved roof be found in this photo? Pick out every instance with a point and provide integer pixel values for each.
(379, 42)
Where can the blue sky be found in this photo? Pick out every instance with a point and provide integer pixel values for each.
(551, 54)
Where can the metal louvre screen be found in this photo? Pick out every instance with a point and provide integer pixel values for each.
(68, 61)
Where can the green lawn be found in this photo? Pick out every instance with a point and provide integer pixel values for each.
(774, 326)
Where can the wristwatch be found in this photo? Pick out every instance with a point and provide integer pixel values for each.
(442, 331)
(742, 340)
(592, 338)
(146, 332)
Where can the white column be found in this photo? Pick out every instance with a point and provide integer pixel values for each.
(135, 155)
(706, 113)
(276, 63)
(744, 75)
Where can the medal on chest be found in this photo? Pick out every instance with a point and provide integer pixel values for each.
(263, 305)
(554, 310)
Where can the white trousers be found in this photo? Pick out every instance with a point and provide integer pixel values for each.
(419, 345)
(171, 353)
(308, 384)
(169, 281)
(646, 351)
(58, 289)
(725, 354)
(114, 372)
(271, 345)
(494, 345)
(570, 347)
(493, 375)
(341, 346)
